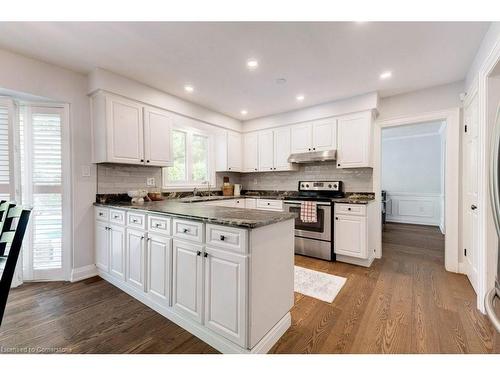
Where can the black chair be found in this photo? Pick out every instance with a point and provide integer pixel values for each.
(13, 224)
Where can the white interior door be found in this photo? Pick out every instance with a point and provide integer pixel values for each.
(470, 227)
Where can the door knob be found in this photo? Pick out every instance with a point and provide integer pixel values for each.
(473, 207)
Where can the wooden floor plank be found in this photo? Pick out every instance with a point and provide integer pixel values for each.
(405, 303)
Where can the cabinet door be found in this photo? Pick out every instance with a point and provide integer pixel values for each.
(101, 246)
(301, 138)
(157, 137)
(225, 294)
(234, 152)
(187, 285)
(350, 236)
(354, 141)
(159, 268)
(117, 251)
(282, 142)
(266, 154)
(325, 135)
(250, 152)
(136, 258)
(125, 135)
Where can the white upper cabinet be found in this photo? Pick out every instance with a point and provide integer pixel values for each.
(250, 152)
(157, 137)
(228, 152)
(125, 131)
(354, 135)
(282, 149)
(266, 152)
(324, 135)
(301, 138)
(319, 135)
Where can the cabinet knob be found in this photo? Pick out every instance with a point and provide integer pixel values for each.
(271, 168)
(205, 255)
(473, 207)
(336, 218)
(147, 161)
(309, 149)
(229, 168)
(101, 214)
(185, 230)
(157, 225)
(348, 208)
(198, 253)
(314, 148)
(255, 168)
(338, 165)
(222, 237)
(142, 160)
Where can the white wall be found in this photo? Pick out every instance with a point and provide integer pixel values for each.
(339, 107)
(411, 168)
(25, 75)
(416, 102)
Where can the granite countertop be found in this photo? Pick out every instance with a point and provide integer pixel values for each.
(236, 217)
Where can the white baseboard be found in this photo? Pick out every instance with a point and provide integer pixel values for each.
(356, 261)
(218, 342)
(83, 273)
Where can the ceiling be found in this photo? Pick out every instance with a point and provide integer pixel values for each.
(324, 61)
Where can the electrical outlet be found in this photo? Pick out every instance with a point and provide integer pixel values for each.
(150, 181)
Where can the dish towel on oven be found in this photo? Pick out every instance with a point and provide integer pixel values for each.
(308, 212)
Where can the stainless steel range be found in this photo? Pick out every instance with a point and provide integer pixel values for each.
(315, 239)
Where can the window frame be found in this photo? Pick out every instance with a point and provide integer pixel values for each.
(189, 183)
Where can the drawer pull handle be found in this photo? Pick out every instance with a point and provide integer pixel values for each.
(116, 217)
(185, 230)
(157, 225)
(134, 220)
(222, 237)
(198, 253)
(101, 214)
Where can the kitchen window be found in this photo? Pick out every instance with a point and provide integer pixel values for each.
(192, 165)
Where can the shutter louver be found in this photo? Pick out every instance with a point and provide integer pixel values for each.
(4, 154)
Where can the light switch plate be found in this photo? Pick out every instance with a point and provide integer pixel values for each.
(150, 181)
(85, 171)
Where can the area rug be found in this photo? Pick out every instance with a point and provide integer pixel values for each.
(319, 285)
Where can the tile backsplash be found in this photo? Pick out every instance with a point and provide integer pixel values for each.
(119, 178)
(355, 179)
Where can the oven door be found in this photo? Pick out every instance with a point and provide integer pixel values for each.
(321, 229)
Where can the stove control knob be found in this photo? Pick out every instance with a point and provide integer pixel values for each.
(307, 185)
(330, 186)
(301, 185)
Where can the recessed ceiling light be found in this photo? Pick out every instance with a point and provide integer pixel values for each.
(244, 112)
(252, 64)
(386, 75)
(300, 97)
(189, 88)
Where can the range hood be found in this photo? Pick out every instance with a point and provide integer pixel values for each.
(311, 157)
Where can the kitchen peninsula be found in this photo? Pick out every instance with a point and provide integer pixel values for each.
(224, 274)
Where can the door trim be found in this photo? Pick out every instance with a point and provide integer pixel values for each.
(452, 176)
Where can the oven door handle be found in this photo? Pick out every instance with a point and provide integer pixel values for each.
(296, 203)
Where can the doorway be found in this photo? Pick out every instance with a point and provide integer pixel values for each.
(451, 131)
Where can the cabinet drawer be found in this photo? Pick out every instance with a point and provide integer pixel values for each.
(160, 225)
(188, 230)
(350, 209)
(270, 204)
(226, 237)
(136, 220)
(101, 213)
(251, 203)
(117, 216)
(240, 203)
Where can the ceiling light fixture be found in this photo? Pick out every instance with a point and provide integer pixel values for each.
(189, 88)
(386, 75)
(252, 64)
(300, 97)
(244, 112)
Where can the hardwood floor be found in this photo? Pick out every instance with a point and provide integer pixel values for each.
(405, 303)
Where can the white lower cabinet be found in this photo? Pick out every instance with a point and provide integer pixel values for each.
(101, 246)
(136, 258)
(159, 268)
(226, 293)
(117, 251)
(350, 235)
(187, 279)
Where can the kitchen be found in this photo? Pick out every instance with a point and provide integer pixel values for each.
(241, 229)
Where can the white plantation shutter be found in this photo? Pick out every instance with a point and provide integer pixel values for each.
(6, 170)
(41, 166)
